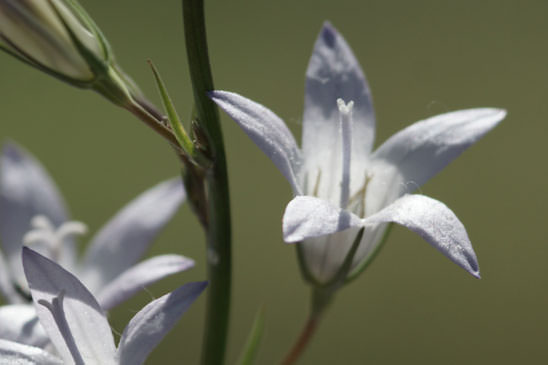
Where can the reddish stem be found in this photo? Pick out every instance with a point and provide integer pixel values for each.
(303, 340)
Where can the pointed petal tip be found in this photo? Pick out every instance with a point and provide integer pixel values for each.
(202, 284)
(494, 114)
(196, 286)
(221, 96)
(215, 94)
(328, 34)
(471, 266)
(12, 149)
(176, 188)
(290, 237)
(328, 26)
(497, 113)
(502, 113)
(28, 253)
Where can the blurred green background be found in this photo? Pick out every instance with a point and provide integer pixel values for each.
(412, 306)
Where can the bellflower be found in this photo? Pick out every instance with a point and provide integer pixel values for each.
(33, 212)
(77, 326)
(343, 190)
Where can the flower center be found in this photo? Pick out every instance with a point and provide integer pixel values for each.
(345, 122)
(50, 239)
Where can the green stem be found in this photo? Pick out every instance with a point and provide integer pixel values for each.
(151, 117)
(218, 210)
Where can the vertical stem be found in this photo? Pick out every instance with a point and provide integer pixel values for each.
(219, 227)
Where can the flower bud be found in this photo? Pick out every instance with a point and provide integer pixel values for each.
(51, 34)
(59, 38)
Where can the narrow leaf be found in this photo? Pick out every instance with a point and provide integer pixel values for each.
(249, 352)
(173, 118)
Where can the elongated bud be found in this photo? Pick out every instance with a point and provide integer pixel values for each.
(59, 37)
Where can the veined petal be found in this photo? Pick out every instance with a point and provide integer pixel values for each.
(17, 353)
(434, 222)
(267, 130)
(309, 217)
(20, 324)
(126, 237)
(79, 330)
(147, 328)
(26, 190)
(421, 150)
(333, 72)
(137, 277)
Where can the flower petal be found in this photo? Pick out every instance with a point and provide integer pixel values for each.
(326, 234)
(309, 217)
(17, 353)
(333, 72)
(20, 324)
(137, 277)
(434, 222)
(6, 286)
(26, 190)
(126, 237)
(421, 150)
(267, 130)
(83, 328)
(147, 328)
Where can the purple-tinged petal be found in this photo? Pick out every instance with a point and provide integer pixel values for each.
(421, 150)
(127, 236)
(148, 327)
(309, 217)
(19, 323)
(68, 312)
(434, 222)
(139, 276)
(19, 354)
(267, 130)
(26, 190)
(333, 72)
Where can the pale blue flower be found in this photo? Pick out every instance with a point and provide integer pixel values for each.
(340, 185)
(77, 326)
(33, 212)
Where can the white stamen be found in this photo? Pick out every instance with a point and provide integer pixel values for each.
(41, 222)
(71, 228)
(37, 236)
(345, 119)
(43, 232)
